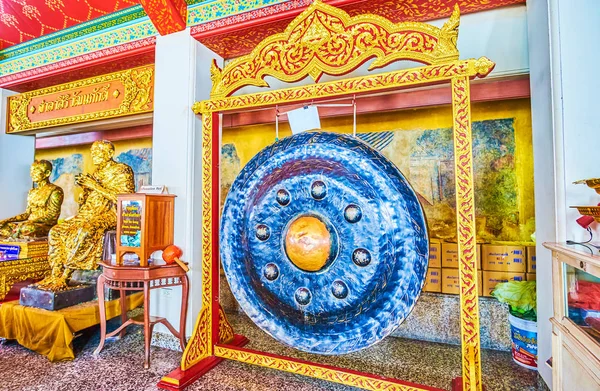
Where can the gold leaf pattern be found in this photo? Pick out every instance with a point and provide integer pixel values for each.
(325, 39)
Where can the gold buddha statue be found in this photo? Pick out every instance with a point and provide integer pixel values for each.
(77, 242)
(44, 202)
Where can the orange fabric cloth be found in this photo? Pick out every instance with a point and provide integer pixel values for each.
(51, 332)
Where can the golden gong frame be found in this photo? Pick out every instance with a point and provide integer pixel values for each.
(324, 39)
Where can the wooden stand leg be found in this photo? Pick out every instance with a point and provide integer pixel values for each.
(184, 304)
(123, 301)
(102, 310)
(178, 379)
(147, 328)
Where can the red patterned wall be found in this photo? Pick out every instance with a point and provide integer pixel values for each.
(22, 20)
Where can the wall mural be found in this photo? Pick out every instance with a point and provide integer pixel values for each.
(140, 160)
(67, 166)
(230, 168)
(425, 157)
(64, 170)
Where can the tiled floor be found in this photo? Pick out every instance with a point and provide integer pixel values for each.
(119, 366)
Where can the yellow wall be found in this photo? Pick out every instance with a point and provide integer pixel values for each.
(251, 139)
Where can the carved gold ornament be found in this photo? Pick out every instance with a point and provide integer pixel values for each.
(14, 271)
(113, 95)
(325, 39)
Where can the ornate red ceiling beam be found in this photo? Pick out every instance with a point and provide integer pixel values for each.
(237, 35)
(168, 16)
(26, 20)
(113, 59)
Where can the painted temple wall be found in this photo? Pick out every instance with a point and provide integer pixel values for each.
(70, 161)
(16, 155)
(419, 143)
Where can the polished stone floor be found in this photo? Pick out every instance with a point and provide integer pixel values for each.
(119, 366)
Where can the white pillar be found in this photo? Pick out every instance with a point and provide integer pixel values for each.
(564, 85)
(575, 60)
(544, 186)
(16, 156)
(182, 77)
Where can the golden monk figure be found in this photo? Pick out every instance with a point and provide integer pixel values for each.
(77, 242)
(43, 207)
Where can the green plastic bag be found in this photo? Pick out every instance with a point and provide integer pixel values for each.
(520, 296)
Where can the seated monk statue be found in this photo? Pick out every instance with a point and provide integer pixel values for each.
(77, 242)
(43, 207)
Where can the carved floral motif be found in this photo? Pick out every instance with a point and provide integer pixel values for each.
(465, 217)
(325, 39)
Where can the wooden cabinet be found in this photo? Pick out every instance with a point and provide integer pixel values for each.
(144, 224)
(576, 321)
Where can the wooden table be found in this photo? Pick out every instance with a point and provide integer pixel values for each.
(137, 278)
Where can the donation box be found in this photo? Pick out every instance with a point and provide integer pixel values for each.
(144, 224)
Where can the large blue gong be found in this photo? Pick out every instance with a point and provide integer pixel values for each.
(324, 243)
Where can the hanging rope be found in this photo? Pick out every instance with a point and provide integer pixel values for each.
(276, 123)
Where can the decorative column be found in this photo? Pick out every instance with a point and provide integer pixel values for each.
(564, 88)
(182, 77)
(465, 220)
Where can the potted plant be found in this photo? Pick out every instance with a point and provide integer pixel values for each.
(522, 305)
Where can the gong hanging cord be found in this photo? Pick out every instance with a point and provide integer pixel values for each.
(353, 105)
(276, 123)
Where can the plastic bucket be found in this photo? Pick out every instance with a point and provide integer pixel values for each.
(524, 341)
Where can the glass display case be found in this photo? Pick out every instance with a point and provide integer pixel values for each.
(582, 293)
(576, 321)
